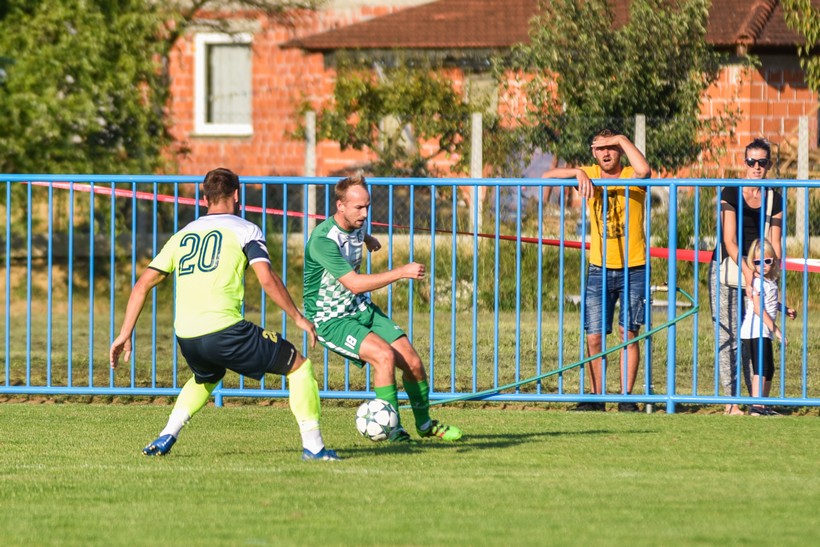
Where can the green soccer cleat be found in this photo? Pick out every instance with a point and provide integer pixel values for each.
(443, 432)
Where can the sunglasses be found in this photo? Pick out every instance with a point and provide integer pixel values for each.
(763, 162)
(766, 261)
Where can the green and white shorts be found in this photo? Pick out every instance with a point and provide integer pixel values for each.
(344, 335)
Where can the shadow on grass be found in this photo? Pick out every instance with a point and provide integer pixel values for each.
(470, 443)
(481, 442)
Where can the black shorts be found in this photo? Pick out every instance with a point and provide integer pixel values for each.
(244, 348)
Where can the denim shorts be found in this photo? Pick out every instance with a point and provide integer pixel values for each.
(631, 317)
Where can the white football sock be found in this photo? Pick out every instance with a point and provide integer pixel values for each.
(176, 422)
(311, 436)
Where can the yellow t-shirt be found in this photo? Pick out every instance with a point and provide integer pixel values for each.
(617, 222)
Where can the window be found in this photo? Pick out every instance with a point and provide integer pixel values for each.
(223, 93)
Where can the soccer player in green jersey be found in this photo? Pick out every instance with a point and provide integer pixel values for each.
(208, 258)
(347, 322)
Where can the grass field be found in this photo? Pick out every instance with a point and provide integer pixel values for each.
(73, 474)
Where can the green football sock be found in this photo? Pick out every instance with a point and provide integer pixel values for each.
(193, 396)
(419, 395)
(390, 394)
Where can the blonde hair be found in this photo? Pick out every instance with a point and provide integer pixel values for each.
(768, 252)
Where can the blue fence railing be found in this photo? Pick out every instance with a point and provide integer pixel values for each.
(498, 317)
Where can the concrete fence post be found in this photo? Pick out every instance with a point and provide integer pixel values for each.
(310, 167)
(640, 133)
(801, 207)
(660, 194)
(476, 168)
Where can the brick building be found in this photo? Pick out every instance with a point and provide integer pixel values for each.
(235, 98)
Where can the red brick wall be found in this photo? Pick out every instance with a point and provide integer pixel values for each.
(770, 100)
(282, 78)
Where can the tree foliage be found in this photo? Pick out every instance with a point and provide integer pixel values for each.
(406, 114)
(84, 84)
(803, 16)
(587, 73)
(71, 98)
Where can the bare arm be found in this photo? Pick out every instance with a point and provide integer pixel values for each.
(362, 283)
(767, 319)
(636, 158)
(729, 222)
(585, 187)
(149, 279)
(276, 290)
(777, 232)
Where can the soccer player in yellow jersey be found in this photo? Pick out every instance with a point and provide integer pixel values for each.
(208, 258)
(623, 228)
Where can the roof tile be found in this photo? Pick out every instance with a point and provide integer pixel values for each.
(491, 24)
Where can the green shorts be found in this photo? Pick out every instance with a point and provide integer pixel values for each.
(345, 334)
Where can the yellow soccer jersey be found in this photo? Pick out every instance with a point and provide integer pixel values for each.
(209, 258)
(617, 221)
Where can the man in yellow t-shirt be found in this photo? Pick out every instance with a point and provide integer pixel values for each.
(617, 230)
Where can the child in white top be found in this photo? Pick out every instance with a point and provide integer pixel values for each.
(763, 305)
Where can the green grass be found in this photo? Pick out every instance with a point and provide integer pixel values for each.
(73, 474)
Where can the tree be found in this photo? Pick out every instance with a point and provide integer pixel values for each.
(406, 115)
(84, 84)
(803, 16)
(588, 73)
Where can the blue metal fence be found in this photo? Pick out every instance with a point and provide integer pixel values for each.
(499, 316)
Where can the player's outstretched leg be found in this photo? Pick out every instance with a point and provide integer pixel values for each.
(190, 401)
(418, 393)
(390, 393)
(306, 407)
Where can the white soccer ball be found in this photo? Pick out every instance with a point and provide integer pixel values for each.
(376, 419)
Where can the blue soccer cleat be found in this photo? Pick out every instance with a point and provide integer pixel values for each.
(324, 455)
(161, 446)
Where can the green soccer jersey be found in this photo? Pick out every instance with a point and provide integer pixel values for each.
(209, 258)
(331, 253)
